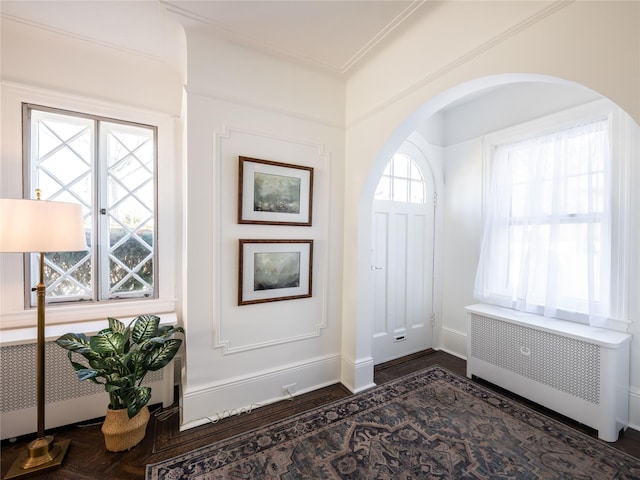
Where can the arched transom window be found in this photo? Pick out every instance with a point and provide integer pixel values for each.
(401, 181)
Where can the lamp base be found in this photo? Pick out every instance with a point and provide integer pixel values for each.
(42, 455)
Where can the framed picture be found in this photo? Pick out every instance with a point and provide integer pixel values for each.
(274, 270)
(274, 193)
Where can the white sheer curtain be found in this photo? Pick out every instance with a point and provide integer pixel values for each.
(546, 246)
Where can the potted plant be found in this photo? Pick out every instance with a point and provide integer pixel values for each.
(119, 357)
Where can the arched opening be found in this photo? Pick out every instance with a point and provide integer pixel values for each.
(436, 122)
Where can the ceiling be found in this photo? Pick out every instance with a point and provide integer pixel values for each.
(333, 35)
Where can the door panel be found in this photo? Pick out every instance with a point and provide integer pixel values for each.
(380, 220)
(402, 269)
(402, 266)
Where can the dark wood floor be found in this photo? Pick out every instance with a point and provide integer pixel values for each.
(87, 458)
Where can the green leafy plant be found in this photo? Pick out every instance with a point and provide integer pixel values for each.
(120, 356)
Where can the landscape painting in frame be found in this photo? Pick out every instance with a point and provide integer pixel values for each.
(274, 270)
(274, 193)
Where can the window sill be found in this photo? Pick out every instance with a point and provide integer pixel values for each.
(21, 336)
(68, 315)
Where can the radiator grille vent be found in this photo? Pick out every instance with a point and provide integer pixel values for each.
(18, 369)
(566, 364)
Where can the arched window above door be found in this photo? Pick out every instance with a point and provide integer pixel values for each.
(402, 181)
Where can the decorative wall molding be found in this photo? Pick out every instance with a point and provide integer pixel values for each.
(228, 130)
(69, 100)
(379, 38)
(221, 96)
(155, 56)
(545, 12)
(290, 54)
(318, 158)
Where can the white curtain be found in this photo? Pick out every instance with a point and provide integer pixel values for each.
(546, 246)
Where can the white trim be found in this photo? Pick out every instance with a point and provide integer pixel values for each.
(450, 352)
(20, 336)
(235, 395)
(453, 342)
(90, 105)
(634, 407)
(357, 375)
(189, 18)
(224, 96)
(470, 55)
(598, 336)
(73, 36)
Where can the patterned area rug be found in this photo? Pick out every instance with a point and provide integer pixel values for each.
(429, 425)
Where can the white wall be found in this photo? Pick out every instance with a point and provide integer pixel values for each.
(462, 233)
(66, 64)
(242, 103)
(461, 48)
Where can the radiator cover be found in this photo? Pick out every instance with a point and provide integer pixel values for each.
(67, 400)
(576, 370)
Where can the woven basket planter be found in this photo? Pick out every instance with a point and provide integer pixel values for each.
(121, 432)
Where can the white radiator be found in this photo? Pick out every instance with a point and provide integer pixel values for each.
(67, 400)
(576, 370)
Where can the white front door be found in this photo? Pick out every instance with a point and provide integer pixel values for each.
(402, 266)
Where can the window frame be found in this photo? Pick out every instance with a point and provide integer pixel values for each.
(392, 178)
(99, 224)
(592, 111)
(13, 313)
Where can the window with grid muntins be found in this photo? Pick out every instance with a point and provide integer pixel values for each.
(401, 181)
(107, 166)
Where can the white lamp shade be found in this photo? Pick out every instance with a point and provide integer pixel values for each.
(40, 226)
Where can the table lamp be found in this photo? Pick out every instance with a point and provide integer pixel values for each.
(40, 226)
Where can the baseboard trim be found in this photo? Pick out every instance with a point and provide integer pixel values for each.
(453, 342)
(206, 403)
(634, 408)
(357, 375)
